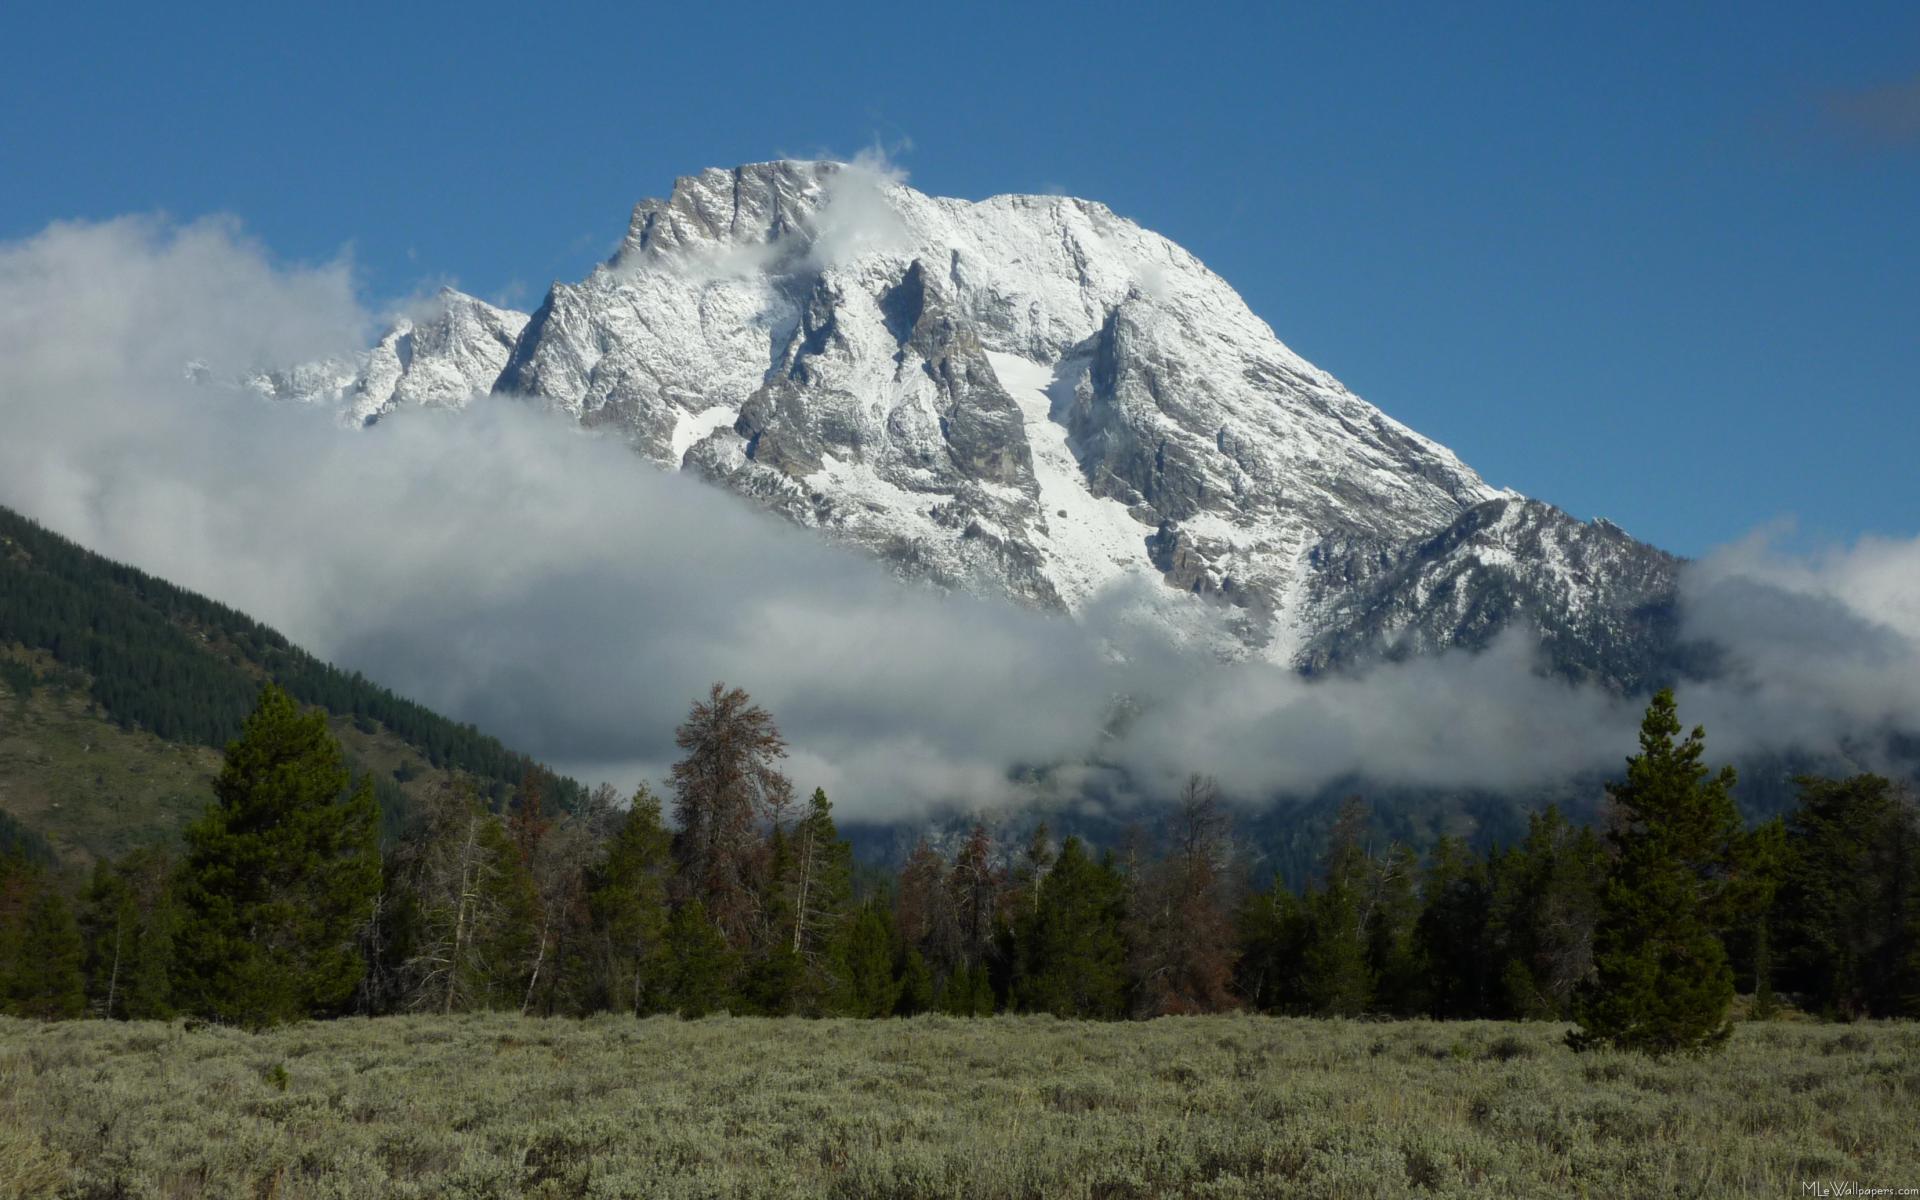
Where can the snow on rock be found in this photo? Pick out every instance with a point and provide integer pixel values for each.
(442, 355)
(1025, 395)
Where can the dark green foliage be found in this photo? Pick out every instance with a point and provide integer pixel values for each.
(27, 845)
(628, 896)
(188, 669)
(916, 986)
(814, 893)
(1452, 932)
(1070, 958)
(280, 874)
(1335, 979)
(1848, 909)
(967, 993)
(1662, 981)
(1393, 959)
(45, 980)
(700, 965)
(128, 924)
(1760, 858)
(771, 981)
(1272, 935)
(865, 964)
(1545, 901)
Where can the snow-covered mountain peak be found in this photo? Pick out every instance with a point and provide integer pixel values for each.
(1024, 395)
(440, 353)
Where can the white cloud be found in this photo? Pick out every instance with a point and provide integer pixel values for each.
(508, 569)
(1821, 650)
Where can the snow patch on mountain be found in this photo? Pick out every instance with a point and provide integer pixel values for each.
(441, 355)
(1028, 396)
(1091, 542)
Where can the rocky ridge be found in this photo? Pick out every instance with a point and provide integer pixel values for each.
(1029, 396)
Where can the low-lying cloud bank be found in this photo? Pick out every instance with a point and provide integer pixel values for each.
(508, 569)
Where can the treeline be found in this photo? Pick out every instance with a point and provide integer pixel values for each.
(188, 669)
(283, 906)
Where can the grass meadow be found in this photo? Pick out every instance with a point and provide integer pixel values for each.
(497, 1105)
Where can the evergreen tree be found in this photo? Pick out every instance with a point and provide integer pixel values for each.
(924, 917)
(1271, 928)
(628, 898)
(819, 896)
(1334, 977)
(1849, 902)
(916, 986)
(1179, 927)
(865, 961)
(280, 875)
(1760, 864)
(1545, 901)
(967, 993)
(975, 885)
(128, 928)
(1452, 932)
(1035, 862)
(1393, 959)
(726, 785)
(558, 853)
(1662, 982)
(700, 964)
(1071, 961)
(47, 983)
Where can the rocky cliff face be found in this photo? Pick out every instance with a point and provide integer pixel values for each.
(1031, 396)
(1602, 602)
(450, 351)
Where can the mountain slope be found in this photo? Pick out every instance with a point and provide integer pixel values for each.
(117, 691)
(441, 357)
(1028, 396)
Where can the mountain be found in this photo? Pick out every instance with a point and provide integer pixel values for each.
(452, 349)
(1035, 397)
(117, 691)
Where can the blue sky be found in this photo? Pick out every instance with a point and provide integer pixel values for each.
(1662, 267)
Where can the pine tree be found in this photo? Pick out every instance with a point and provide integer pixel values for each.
(1662, 982)
(128, 928)
(1393, 959)
(1848, 897)
(1179, 928)
(1452, 931)
(1071, 961)
(1545, 901)
(700, 964)
(628, 898)
(727, 784)
(975, 885)
(865, 960)
(923, 912)
(916, 986)
(558, 853)
(1035, 862)
(1334, 978)
(280, 875)
(1760, 858)
(820, 895)
(47, 983)
(1271, 928)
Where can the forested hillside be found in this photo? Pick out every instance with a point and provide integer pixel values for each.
(147, 680)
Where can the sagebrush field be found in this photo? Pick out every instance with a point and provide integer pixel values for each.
(492, 1105)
